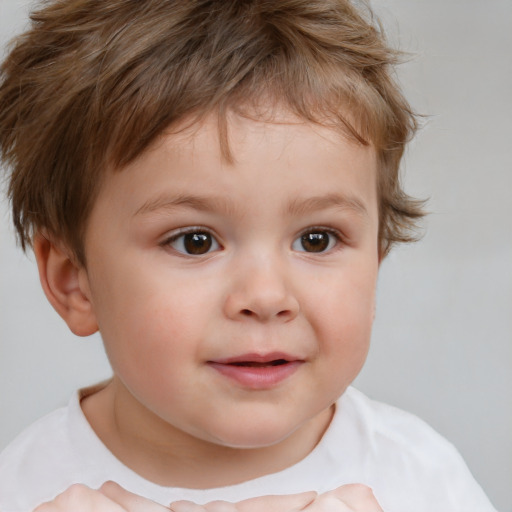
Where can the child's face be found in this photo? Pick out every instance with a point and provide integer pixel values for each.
(201, 273)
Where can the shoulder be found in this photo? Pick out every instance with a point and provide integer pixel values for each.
(379, 426)
(388, 425)
(409, 464)
(38, 463)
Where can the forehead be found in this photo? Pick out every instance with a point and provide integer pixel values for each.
(230, 138)
(278, 155)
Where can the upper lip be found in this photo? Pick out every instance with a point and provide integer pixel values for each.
(258, 358)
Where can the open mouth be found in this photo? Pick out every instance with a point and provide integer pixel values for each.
(257, 372)
(254, 364)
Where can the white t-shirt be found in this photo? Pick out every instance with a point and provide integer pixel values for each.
(408, 465)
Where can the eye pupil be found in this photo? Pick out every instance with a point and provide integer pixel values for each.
(197, 243)
(315, 242)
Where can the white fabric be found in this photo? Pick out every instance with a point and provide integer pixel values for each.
(408, 465)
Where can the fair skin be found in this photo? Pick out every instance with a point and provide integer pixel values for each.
(113, 498)
(243, 285)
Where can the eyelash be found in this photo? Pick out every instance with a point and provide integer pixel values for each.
(168, 242)
(334, 233)
(189, 231)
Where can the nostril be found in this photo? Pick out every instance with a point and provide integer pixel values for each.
(246, 312)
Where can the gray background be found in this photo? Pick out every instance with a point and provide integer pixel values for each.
(442, 345)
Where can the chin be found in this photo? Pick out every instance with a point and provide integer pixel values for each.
(253, 435)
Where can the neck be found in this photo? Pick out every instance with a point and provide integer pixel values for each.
(167, 456)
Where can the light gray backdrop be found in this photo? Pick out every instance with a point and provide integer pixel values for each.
(442, 344)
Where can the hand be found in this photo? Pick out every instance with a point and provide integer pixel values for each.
(113, 498)
(278, 503)
(347, 498)
(110, 497)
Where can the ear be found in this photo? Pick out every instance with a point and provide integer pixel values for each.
(66, 286)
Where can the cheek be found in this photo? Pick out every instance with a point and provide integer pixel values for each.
(342, 317)
(149, 324)
(147, 346)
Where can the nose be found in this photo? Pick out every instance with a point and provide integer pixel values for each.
(260, 291)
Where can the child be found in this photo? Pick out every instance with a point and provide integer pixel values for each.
(212, 185)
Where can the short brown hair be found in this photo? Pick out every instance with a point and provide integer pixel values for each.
(93, 83)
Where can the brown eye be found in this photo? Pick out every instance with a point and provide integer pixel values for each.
(195, 243)
(315, 241)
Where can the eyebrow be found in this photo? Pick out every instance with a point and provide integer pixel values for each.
(336, 201)
(296, 206)
(201, 203)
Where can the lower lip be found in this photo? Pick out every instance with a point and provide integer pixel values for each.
(257, 377)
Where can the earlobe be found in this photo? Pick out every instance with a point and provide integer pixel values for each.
(65, 285)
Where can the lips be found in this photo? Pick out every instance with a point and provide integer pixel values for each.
(255, 364)
(257, 371)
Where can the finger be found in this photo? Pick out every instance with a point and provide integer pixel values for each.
(355, 497)
(186, 506)
(80, 498)
(277, 503)
(221, 506)
(328, 502)
(129, 501)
